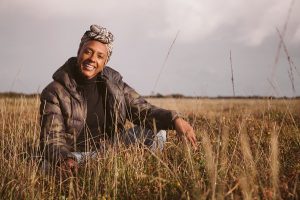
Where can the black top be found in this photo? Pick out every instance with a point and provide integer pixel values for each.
(93, 92)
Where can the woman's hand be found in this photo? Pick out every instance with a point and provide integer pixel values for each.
(69, 167)
(184, 128)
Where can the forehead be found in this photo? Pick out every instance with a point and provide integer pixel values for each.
(96, 46)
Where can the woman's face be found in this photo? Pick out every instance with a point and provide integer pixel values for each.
(92, 58)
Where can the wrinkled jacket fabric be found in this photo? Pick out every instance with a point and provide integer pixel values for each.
(63, 110)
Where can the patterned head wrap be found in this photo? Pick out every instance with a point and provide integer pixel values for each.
(100, 34)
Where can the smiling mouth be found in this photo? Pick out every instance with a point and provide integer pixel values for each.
(88, 67)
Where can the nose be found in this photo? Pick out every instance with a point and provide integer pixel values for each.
(93, 57)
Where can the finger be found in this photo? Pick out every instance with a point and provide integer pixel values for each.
(193, 140)
(195, 144)
(190, 138)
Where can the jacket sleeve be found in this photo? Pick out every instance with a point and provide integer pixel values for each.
(52, 136)
(140, 112)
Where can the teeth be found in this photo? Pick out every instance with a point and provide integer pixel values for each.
(89, 67)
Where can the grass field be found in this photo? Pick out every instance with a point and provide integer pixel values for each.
(248, 149)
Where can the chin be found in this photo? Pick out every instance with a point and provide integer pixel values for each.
(87, 75)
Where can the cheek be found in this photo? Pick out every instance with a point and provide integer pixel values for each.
(101, 64)
(83, 58)
(79, 60)
(100, 68)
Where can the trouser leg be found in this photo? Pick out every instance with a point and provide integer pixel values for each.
(139, 135)
(159, 140)
(135, 135)
(81, 157)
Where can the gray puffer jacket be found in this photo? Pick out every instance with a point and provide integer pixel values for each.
(63, 110)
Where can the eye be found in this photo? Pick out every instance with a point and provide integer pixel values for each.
(100, 56)
(87, 51)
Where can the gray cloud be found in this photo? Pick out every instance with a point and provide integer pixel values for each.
(38, 36)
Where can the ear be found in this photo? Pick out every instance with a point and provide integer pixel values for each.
(106, 61)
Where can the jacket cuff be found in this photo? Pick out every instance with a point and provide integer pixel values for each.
(59, 155)
(175, 115)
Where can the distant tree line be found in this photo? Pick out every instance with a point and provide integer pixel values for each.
(17, 94)
(158, 95)
(178, 96)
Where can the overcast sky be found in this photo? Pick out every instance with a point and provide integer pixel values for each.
(38, 36)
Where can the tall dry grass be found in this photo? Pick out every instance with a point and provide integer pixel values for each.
(247, 149)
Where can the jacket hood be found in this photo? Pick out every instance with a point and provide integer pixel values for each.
(65, 75)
